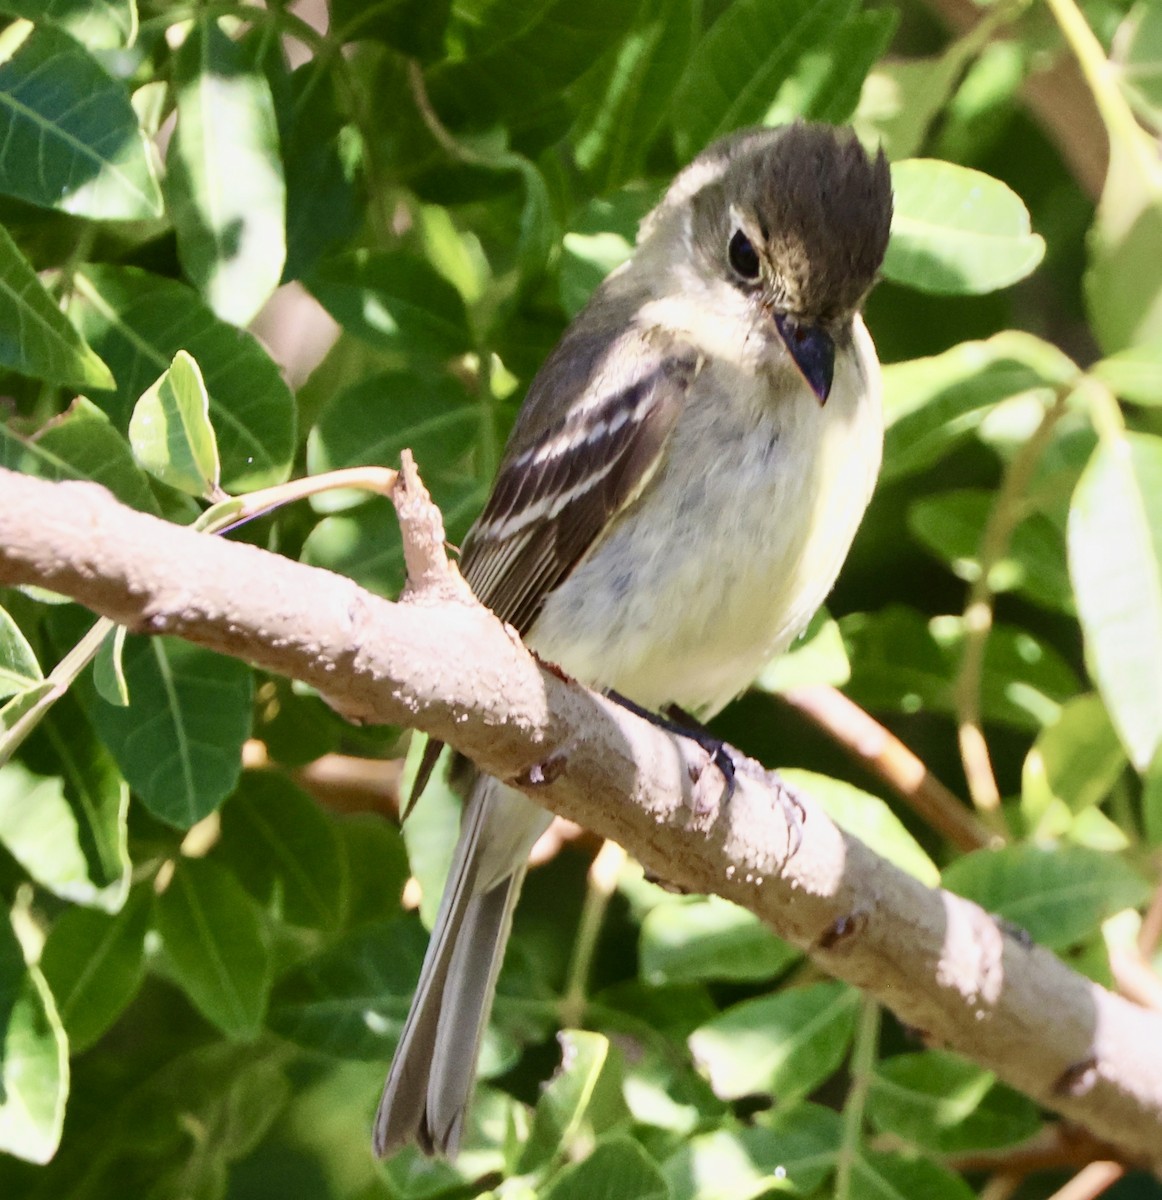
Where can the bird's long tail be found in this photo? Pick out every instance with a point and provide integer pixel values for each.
(428, 1089)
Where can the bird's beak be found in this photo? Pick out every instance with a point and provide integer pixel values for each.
(812, 351)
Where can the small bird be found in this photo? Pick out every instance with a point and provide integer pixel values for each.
(680, 489)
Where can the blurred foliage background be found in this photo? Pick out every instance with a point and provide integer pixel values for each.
(243, 244)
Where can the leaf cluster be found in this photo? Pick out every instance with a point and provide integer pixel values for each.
(240, 245)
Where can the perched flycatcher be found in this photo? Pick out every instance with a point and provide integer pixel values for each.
(678, 494)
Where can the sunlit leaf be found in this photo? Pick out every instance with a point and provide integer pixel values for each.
(73, 837)
(81, 443)
(1115, 560)
(170, 430)
(224, 178)
(957, 231)
(137, 322)
(34, 1068)
(1135, 373)
(18, 666)
(1076, 761)
(706, 938)
(582, 1101)
(784, 1045)
(795, 1146)
(36, 338)
(931, 404)
(60, 110)
(737, 68)
(1057, 896)
(98, 24)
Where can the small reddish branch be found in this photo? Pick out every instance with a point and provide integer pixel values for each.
(440, 662)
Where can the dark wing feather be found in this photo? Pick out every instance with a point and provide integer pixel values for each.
(558, 490)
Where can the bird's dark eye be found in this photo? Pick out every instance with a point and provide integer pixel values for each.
(743, 257)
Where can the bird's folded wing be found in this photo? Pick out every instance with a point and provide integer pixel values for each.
(561, 483)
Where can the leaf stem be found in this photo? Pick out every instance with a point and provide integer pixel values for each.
(863, 1060)
(1007, 512)
(602, 882)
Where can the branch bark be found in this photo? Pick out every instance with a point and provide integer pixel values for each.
(439, 662)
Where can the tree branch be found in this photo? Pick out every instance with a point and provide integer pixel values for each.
(444, 664)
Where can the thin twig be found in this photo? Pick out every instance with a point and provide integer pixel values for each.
(602, 883)
(1090, 1181)
(1007, 512)
(878, 749)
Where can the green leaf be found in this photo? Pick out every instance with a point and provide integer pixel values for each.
(81, 444)
(284, 850)
(1152, 803)
(395, 302)
(1124, 302)
(783, 1045)
(952, 524)
(1138, 60)
(957, 231)
(373, 421)
(932, 404)
(36, 338)
(98, 24)
(793, 1150)
(582, 1102)
(1135, 373)
(224, 178)
(217, 946)
(18, 666)
(375, 866)
(946, 1105)
(868, 818)
(94, 963)
(816, 657)
(351, 1000)
(903, 97)
(617, 1168)
(179, 741)
(63, 815)
(109, 669)
(34, 1066)
(1076, 761)
(704, 938)
(890, 1176)
(520, 58)
(900, 662)
(1115, 560)
(60, 110)
(321, 209)
(170, 430)
(602, 238)
(138, 322)
(620, 117)
(1059, 896)
(827, 80)
(741, 62)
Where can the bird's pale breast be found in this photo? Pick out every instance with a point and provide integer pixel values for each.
(684, 604)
